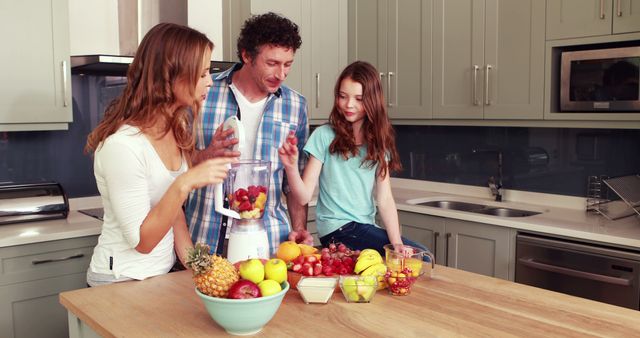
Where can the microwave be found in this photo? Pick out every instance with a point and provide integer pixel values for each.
(600, 80)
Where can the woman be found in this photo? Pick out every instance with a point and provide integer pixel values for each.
(351, 158)
(142, 148)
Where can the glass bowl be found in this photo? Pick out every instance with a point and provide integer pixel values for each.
(358, 289)
(316, 289)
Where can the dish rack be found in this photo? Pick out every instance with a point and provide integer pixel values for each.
(626, 187)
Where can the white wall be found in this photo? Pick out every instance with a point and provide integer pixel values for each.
(93, 27)
(206, 16)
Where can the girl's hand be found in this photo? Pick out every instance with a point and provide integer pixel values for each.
(211, 171)
(288, 153)
(404, 250)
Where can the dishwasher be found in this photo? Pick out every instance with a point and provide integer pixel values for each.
(597, 272)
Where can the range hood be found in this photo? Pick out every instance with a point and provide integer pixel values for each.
(135, 18)
(115, 65)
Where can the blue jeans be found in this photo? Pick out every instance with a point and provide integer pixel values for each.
(359, 236)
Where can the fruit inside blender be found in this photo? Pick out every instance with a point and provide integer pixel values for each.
(249, 202)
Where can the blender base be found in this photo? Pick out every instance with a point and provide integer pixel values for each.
(245, 245)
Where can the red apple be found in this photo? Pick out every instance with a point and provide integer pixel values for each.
(244, 289)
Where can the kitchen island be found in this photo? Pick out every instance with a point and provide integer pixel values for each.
(452, 303)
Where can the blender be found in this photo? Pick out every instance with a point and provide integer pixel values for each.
(247, 188)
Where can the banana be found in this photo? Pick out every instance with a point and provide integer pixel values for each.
(366, 260)
(377, 270)
(369, 252)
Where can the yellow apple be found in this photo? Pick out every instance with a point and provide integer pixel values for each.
(269, 287)
(253, 270)
(275, 269)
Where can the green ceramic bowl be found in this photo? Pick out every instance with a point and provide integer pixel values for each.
(243, 316)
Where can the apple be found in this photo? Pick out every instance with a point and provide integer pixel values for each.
(252, 270)
(243, 289)
(275, 269)
(269, 287)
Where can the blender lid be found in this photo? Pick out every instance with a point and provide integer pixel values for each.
(238, 132)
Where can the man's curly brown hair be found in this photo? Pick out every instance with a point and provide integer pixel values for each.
(267, 29)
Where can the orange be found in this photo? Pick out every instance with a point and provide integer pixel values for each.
(288, 251)
(307, 249)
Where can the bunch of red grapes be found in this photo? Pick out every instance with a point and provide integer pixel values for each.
(338, 259)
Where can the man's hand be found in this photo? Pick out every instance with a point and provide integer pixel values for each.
(221, 145)
(301, 236)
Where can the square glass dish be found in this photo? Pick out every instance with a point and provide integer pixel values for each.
(358, 289)
(316, 289)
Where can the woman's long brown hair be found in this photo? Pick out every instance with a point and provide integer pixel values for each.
(169, 54)
(378, 133)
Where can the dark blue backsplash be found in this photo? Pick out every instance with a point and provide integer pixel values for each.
(38, 156)
(550, 160)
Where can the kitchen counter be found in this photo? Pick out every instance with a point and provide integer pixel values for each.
(452, 303)
(560, 215)
(75, 225)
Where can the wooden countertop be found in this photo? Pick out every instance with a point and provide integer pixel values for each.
(452, 303)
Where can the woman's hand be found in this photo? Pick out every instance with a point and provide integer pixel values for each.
(211, 171)
(288, 153)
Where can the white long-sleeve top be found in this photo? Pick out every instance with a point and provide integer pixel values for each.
(131, 179)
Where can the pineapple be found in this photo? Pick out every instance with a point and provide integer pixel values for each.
(212, 274)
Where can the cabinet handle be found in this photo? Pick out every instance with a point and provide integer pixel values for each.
(474, 97)
(601, 9)
(317, 90)
(487, 82)
(51, 260)
(64, 84)
(390, 102)
(446, 248)
(618, 9)
(435, 244)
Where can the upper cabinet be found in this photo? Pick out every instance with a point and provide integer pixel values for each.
(323, 54)
(488, 59)
(36, 92)
(395, 36)
(328, 54)
(583, 18)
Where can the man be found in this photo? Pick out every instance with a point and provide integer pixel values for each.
(269, 110)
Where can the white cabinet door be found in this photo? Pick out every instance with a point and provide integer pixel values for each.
(408, 78)
(458, 59)
(36, 88)
(514, 59)
(328, 53)
(578, 18)
(626, 16)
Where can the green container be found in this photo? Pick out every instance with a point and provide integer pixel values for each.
(243, 316)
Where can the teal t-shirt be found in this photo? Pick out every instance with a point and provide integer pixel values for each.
(346, 186)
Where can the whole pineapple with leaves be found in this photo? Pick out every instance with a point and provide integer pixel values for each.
(212, 274)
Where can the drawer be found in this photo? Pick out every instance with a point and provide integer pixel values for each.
(46, 259)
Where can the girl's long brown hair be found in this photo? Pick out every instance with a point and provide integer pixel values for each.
(169, 54)
(378, 133)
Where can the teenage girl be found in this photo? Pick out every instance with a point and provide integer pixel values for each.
(351, 158)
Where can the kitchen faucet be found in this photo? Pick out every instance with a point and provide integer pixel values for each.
(496, 187)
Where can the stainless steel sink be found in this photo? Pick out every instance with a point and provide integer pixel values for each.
(454, 205)
(505, 212)
(479, 208)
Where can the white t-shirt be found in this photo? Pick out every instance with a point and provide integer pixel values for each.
(131, 179)
(250, 115)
